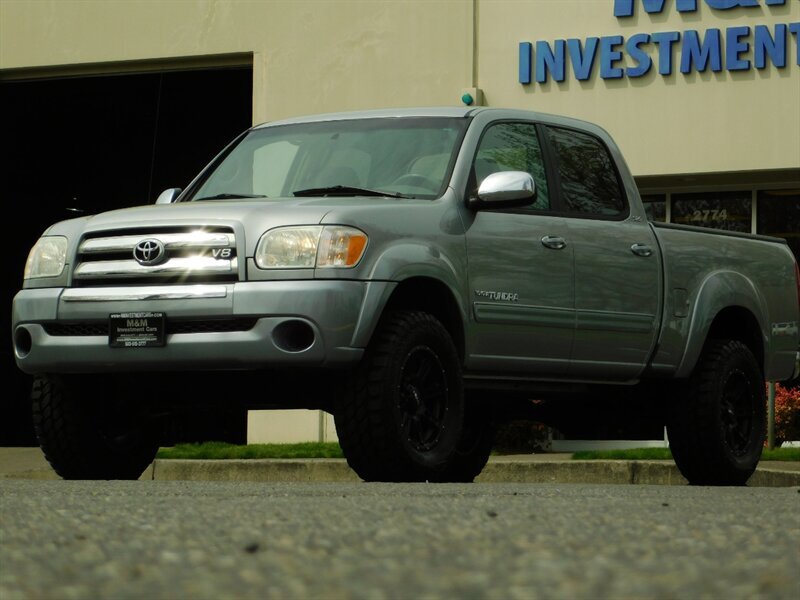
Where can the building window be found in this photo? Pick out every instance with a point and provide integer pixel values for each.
(655, 205)
(730, 211)
(779, 215)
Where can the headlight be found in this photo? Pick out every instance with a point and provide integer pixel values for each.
(47, 257)
(310, 247)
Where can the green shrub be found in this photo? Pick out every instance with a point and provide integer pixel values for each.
(521, 437)
(787, 413)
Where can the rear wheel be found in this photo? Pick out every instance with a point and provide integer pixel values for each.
(92, 428)
(717, 424)
(401, 417)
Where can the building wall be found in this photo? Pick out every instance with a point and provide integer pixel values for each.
(308, 56)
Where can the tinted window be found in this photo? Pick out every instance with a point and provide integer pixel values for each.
(589, 182)
(513, 147)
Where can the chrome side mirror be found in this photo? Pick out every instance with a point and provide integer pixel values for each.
(505, 189)
(168, 196)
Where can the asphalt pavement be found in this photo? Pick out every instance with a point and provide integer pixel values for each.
(29, 463)
(219, 540)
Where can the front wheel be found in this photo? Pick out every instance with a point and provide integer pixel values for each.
(92, 428)
(401, 417)
(717, 425)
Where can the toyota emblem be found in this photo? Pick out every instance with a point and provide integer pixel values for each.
(149, 252)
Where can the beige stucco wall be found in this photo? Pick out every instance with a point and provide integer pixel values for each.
(308, 56)
(287, 426)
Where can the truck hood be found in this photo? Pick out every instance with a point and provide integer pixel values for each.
(276, 212)
(249, 219)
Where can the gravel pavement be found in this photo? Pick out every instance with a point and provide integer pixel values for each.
(164, 539)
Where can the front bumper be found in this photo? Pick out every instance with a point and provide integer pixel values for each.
(327, 313)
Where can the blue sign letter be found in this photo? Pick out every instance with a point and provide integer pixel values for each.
(726, 4)
(643, 60)
(609, 56)
(524, 62)
(665, 40)
(582, 60)
(624, 8)
(694, 52)
(766, 45)
(735, 47)
(547, 61)
(795, 29)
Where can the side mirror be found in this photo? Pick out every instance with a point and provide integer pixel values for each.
(505, 189)
(168, 196)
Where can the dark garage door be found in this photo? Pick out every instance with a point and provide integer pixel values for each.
(99, 143)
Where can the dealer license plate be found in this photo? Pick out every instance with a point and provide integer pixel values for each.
(136, 329)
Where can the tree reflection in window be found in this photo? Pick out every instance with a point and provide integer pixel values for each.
(589, 182)
(513, 147)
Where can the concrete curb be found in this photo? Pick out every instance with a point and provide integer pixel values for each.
(305, 470)
(336, 470)
(542, 468)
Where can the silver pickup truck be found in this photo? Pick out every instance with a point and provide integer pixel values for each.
(416, 273)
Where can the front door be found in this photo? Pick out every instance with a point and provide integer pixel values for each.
(520, 267)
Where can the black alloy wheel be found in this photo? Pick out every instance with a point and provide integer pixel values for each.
(402, 414)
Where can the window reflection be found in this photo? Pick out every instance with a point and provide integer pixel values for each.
(588, 176)
(513, 147)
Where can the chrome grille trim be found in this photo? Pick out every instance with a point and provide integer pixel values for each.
(192, 265)
(191, 239)
(171, 292)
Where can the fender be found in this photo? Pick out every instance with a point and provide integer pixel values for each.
(718, 291)
(399, 262)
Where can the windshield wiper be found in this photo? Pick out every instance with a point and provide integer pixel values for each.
(229, 197)
(346, 190)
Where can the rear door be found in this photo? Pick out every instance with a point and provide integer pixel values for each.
(617, 270)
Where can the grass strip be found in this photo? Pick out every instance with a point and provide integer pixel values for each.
(786, 454)
(225, 451)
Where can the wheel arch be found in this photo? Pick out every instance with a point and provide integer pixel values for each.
(423, 293)
(728, 306)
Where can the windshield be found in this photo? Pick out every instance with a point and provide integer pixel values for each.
(399, 157)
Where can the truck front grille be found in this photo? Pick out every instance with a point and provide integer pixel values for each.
(158, 256)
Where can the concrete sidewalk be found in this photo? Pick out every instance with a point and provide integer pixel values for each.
(29, 463)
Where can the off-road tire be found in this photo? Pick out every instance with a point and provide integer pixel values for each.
(400, 418)
(90, 431)
(717, 421)
(476, 444)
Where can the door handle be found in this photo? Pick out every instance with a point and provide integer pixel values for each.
(641, 250)
(554, 242)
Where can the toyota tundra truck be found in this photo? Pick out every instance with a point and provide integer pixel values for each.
(415, 273)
